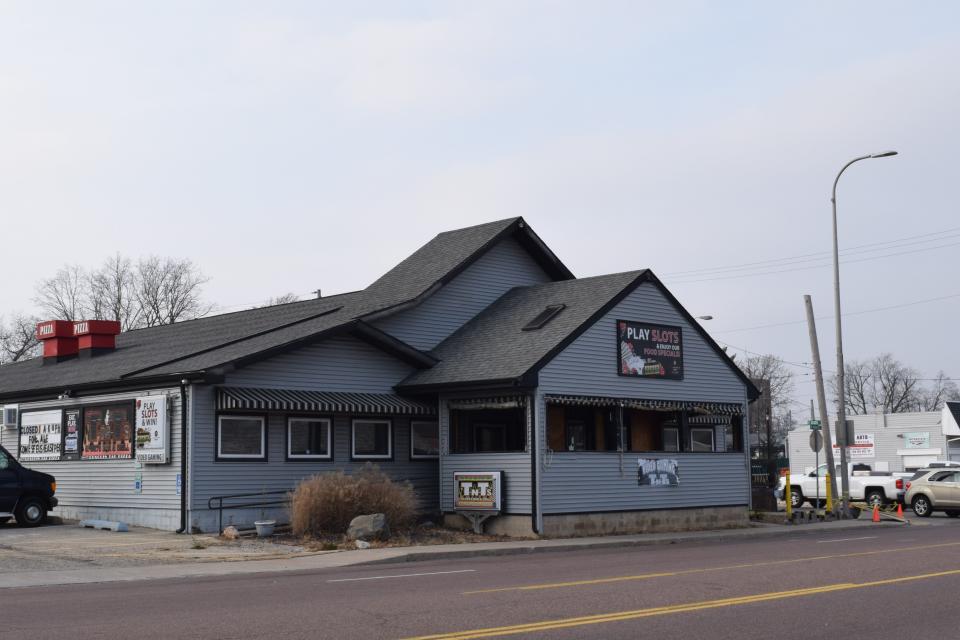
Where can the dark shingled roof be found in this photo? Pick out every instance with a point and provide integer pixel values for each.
(494, 347)
(201, 345)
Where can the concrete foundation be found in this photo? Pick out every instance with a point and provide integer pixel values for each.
(163, 519)
(661, 521)
(515, 526)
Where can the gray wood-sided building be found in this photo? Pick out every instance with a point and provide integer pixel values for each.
(602, 402)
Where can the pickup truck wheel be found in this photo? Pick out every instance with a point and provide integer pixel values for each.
(31, 512)
(952, 513)
(875, 497)
(796, 497)
(922, 507)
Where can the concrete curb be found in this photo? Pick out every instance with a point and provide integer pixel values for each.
(422, 554)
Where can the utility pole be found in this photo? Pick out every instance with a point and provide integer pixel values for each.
(821, 399)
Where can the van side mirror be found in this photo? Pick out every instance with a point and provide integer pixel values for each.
(813, 474)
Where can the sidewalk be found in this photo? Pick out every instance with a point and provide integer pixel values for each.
(335, 559)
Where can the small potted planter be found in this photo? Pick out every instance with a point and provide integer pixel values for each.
(265, 528)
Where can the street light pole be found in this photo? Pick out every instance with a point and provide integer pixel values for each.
(841, 408)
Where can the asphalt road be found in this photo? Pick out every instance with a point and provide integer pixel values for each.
(879, 583)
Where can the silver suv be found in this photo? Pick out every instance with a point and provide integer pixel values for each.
(934, 490)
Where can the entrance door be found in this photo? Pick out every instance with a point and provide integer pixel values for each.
(9, 483)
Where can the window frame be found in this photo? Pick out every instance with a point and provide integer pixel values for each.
(663, 440)
(298, 457)
(242, 457)
(418, 456)
(353, 439)
(713, 439)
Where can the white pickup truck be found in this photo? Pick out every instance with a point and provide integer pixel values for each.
(874, 487)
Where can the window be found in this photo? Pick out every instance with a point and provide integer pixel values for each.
(108, 432)
(309, 439)
(671, 439)
(372, 440)
(571, 428)
(701, 440)
(424, 440)
(544, 317)
(488, 430)
(241, 438)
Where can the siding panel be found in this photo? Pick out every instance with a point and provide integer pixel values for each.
(105, 488)
(337, 364)
(594, 481)
(504, 266)
(516, 468)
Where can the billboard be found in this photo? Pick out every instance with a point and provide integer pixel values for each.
(41, 434)
(477, 491)
(153, 441)
(649, 350)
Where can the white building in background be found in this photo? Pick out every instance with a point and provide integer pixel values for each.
(895, 442)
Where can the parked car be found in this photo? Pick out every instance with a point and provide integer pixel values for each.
(936, 489)
(25, 494)
(872, 487)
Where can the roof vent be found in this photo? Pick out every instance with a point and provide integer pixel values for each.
(544, 317)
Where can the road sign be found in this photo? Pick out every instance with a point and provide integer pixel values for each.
(814, 424)
(816, 441)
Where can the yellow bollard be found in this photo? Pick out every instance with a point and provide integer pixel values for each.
(786, 494)
(829, 495)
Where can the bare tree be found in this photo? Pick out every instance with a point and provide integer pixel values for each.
(169, 290)
(283, 299)
(774, 370)
(775, 379)
(64, 295)
(18, 339)
(941, 389)
(858, 386)
(111, 293)
(895, 385)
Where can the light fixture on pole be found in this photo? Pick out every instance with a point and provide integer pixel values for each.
(841, 409)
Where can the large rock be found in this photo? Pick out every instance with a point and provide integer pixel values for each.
(370, 527)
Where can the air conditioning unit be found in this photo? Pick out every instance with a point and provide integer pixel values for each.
(10, 416)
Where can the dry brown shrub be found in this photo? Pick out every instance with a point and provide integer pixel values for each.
(326, 503)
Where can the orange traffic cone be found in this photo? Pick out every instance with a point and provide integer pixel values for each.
(876, 513)
(899, 510)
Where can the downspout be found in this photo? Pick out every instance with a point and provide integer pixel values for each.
(183, 456)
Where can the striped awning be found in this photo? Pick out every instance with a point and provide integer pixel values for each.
(245, 399)
(492, 402)
(722, 408)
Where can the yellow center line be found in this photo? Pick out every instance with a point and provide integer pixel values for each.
(620, 616)
(684, 572)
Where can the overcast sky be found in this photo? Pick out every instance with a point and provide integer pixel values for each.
(287, 146)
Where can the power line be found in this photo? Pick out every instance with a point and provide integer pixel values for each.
(819, 266)
(850, 313)
(942, 235)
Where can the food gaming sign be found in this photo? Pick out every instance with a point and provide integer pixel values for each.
(151, 430)
(649, 350)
